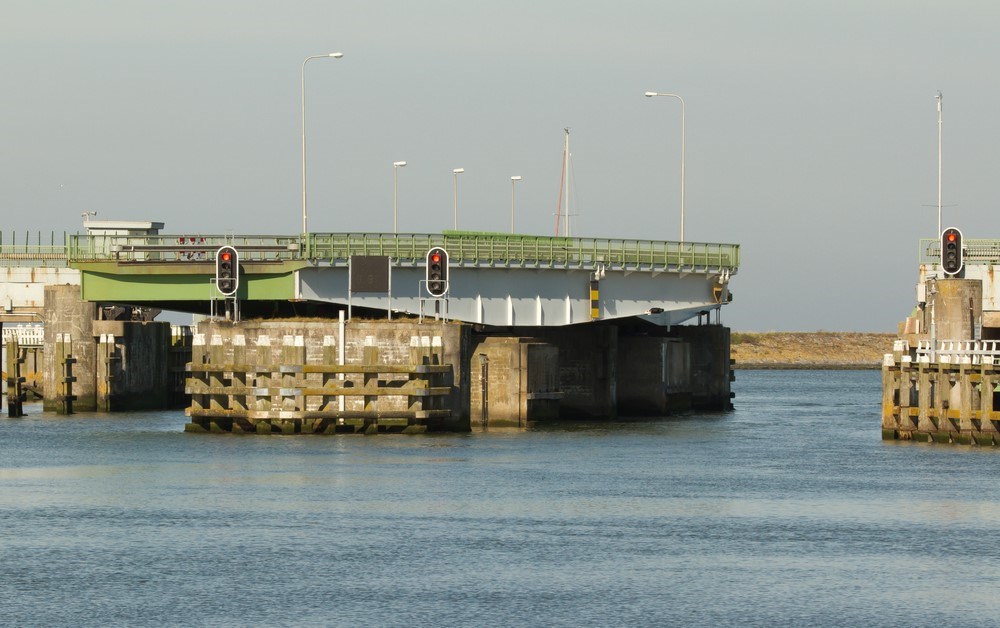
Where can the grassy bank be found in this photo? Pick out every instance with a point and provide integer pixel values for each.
(806, 350)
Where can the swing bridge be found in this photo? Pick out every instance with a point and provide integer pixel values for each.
(493, 279)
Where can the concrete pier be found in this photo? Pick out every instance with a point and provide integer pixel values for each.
(943, 401)
(391, 376)
(404, 375)
(940, 383)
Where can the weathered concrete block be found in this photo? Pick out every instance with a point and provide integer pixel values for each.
(65, 314)
(522, 381)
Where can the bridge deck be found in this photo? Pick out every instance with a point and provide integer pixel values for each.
(496, 278)
(464, 248)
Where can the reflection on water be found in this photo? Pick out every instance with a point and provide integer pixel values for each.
(790, 510)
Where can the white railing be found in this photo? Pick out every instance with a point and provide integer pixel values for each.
(950, 351)
(26, 335)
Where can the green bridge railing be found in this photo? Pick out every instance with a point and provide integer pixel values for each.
(521, 250)
(470, 248)
(974, 251)
(17, 249)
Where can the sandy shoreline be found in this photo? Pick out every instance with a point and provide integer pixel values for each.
(810, 350)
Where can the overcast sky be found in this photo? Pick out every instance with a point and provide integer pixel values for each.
(811, 127)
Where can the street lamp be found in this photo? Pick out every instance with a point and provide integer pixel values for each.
(334, 55)
(650, 95)
(456, 172)
(513, 182)
(396, 165)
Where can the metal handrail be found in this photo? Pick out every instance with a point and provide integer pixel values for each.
(514, 250)
(179, 248)
(16, 251)
(463, 248)
(980, 251)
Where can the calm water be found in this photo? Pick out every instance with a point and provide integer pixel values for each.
(788, 511)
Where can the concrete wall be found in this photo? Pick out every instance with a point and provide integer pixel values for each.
(522, 381)
(690, 369)
(711, 372)
(22, 288)
(137, 376)
(654, 375)
(588, 369)
(606, 371)
(957, 305)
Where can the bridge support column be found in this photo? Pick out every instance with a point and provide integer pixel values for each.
(711, 370)
(66, 315)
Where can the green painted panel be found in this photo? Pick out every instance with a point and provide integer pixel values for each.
(139, 288)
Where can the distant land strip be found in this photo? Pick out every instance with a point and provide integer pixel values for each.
(809, 350)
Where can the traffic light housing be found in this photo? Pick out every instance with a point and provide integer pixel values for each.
(437, 272)
(227, 270)
(951, 251)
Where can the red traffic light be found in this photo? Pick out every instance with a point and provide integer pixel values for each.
(227, 271)
(951, 252)
(436, 280)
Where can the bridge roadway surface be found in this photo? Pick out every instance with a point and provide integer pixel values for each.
(495, 279)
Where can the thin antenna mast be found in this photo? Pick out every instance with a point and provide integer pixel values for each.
(939, 97)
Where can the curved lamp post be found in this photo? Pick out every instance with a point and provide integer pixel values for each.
(650, 95)
(333, 55)
(513, 182)
(456, 172)
(396, 165)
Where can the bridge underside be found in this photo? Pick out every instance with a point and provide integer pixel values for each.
(526, 297)
(510, 297)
